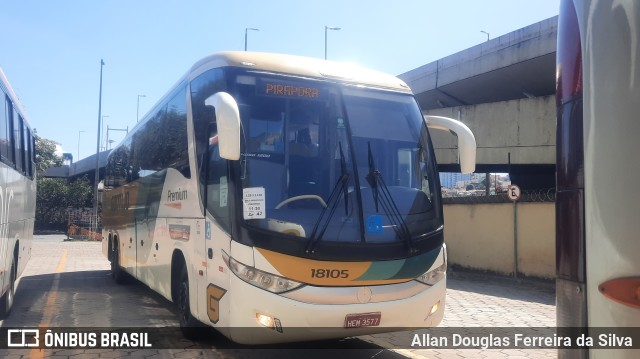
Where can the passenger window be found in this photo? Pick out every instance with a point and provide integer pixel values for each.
(162, 141)
(218, 183)
(6, 148)
(19, 141)
(29, 168)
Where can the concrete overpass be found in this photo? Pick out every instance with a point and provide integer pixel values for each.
(84, 167)
(503, 89)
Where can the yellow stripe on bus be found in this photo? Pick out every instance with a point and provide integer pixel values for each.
(323, 273)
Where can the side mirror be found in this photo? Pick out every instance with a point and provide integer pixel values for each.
(466, 140)
(228, 121)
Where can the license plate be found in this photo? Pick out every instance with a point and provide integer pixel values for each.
(362, 320)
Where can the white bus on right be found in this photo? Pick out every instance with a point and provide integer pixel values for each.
(598, 173)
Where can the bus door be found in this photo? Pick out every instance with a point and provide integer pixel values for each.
(217, 240)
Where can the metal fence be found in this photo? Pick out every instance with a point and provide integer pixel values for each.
(468, 197)
(81, 224)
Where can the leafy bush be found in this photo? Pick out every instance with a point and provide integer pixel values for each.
(54, 196)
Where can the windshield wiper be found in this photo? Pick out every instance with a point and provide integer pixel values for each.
(375, 180)
(332, 203)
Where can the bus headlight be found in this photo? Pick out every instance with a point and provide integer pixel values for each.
(260, 279)
(434, 276)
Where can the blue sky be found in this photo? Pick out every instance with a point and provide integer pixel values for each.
(51, 50)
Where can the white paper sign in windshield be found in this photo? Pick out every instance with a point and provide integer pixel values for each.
(254, 203)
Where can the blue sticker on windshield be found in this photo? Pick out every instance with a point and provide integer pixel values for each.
(374, 224)
(207, 230)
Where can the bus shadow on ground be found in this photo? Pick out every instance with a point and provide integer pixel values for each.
(524, 289)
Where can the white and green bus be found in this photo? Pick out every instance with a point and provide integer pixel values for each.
(295, 197)
(17, 193)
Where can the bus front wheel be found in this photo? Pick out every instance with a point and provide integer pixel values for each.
(188, 324)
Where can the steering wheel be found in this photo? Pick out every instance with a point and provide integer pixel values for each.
(304, 196)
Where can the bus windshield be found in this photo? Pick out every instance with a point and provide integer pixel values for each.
(330, 163)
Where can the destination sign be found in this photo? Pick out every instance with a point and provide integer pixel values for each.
(289, 89)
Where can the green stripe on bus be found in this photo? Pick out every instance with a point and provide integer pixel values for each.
(416, 266)
(382, 270)
(400, 268)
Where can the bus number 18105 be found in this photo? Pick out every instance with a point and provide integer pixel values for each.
(329, 273)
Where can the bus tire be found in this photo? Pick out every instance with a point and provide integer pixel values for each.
(116, 271)
(6, 302)
(188, 324)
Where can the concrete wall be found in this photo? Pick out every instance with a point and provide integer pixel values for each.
(526, 128)
(481, 236)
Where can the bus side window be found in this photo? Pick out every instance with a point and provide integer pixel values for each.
(175, 124)
(5, 135)
(27, 143)
(33, 154)
(119, 165)
(201, 88)
(19, 142)
(217, 182)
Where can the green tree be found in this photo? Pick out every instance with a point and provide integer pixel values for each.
(46, 154)
(55, 195)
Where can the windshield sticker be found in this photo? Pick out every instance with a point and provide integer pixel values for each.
(374, 224)
(224, 191)
(263, 155)
(254, 203)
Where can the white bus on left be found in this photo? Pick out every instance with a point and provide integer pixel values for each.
(17, 193)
